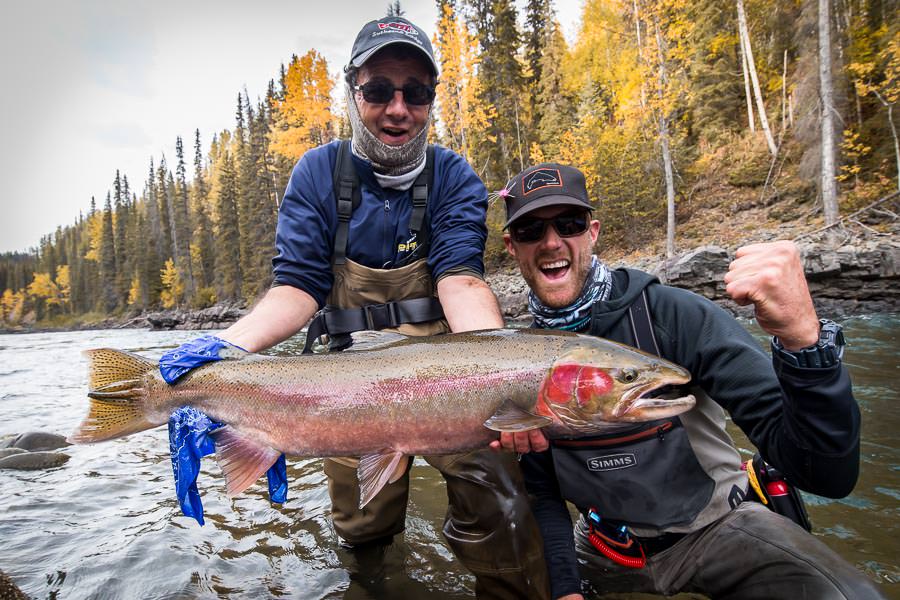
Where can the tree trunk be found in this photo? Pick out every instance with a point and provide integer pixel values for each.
(751, 121)
(760, 107)
(890, 115)
(640, 48)
(826, 98)
(666, 152)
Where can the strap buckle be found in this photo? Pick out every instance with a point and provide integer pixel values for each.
(380, 316)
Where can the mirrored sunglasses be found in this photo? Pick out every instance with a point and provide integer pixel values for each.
(528, 230)
(381, 91)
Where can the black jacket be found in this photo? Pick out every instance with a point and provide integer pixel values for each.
(803, 421)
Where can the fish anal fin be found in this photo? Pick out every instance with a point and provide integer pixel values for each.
(376, 471)
(242, 460)
(511, 418)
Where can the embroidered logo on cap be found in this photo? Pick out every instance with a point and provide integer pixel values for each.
(539, 179)
(400, 26)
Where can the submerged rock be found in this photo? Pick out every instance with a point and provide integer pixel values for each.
(32, 461)
(36, 440)
(4, 452)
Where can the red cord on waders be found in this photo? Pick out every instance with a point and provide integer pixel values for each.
(606, 545)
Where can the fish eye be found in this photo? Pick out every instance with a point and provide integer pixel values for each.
(628, 375)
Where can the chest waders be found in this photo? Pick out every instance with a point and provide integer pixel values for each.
(748, 553)
(488, 523)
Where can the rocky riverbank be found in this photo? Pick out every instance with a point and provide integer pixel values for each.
(857, 278)
(862, 277)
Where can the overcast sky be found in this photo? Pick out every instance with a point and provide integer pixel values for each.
(93, 86)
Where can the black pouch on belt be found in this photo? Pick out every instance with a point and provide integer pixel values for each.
(772, 489)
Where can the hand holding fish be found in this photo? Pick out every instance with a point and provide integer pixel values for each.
(521, 441)
(770, 276)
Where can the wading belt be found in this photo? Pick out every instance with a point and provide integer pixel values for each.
(337, 322)
(348, 196)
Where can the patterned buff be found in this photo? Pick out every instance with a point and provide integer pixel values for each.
(575, 316)
(386, 159)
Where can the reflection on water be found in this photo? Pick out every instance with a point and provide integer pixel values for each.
(106, 525)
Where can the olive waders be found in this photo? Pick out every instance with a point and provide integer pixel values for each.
(489, 524)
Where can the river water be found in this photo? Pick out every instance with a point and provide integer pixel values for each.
(106, 524)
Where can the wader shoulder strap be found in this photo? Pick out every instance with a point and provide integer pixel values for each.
(344, 321)
(347, 195)
(642, 325)
(421, 188)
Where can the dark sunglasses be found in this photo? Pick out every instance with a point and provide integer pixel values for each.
(381, 91)
(528, 230)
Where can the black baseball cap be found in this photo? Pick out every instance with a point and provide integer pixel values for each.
(382, 32)
(546, 184)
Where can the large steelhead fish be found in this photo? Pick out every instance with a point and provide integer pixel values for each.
(413, 396)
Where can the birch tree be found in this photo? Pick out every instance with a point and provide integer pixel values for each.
(826, 101)
(751, 66)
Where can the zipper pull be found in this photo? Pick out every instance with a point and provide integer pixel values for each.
(387, 205)
(661, 433)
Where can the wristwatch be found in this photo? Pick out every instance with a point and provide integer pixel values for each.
(824, 353)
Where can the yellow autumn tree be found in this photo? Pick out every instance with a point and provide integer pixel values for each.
(172, 286)
(463, 117)
(42, 287)
(64, 284)
(95, 236)
(304, 118)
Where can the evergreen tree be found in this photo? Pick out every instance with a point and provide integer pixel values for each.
(108, 297)
(202, 247)
(228, 264)
(181, 224)
(501, 88)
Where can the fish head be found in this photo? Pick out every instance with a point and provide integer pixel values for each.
(594, 387)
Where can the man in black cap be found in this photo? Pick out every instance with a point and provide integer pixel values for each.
(662, 504)
(388, 233)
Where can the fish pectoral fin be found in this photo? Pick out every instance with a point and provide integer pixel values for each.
(376, 471)
(511, 418)
(242, 460)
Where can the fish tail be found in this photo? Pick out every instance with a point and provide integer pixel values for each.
(117, 406)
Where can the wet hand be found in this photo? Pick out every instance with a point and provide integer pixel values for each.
(770, 276)
(521, 441)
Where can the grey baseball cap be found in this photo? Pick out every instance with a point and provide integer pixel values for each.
(382, 32)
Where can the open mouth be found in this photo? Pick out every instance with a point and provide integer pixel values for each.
(555, 270)
(665, 401)
(393, 135)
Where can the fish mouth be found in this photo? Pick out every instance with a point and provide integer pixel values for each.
(636, 405)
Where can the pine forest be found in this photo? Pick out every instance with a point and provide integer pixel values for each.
(669, 107)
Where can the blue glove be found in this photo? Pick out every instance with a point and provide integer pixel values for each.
(189, 428)
(175, 363)
(189, 441)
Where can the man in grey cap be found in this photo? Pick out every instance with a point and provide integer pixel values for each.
(387, 232)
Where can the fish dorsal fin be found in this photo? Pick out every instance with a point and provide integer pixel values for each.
(229, 352)
(511, 418)
(242, 460)
(376, 471)
(371, 340)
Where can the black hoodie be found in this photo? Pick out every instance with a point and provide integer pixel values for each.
(805, 422)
